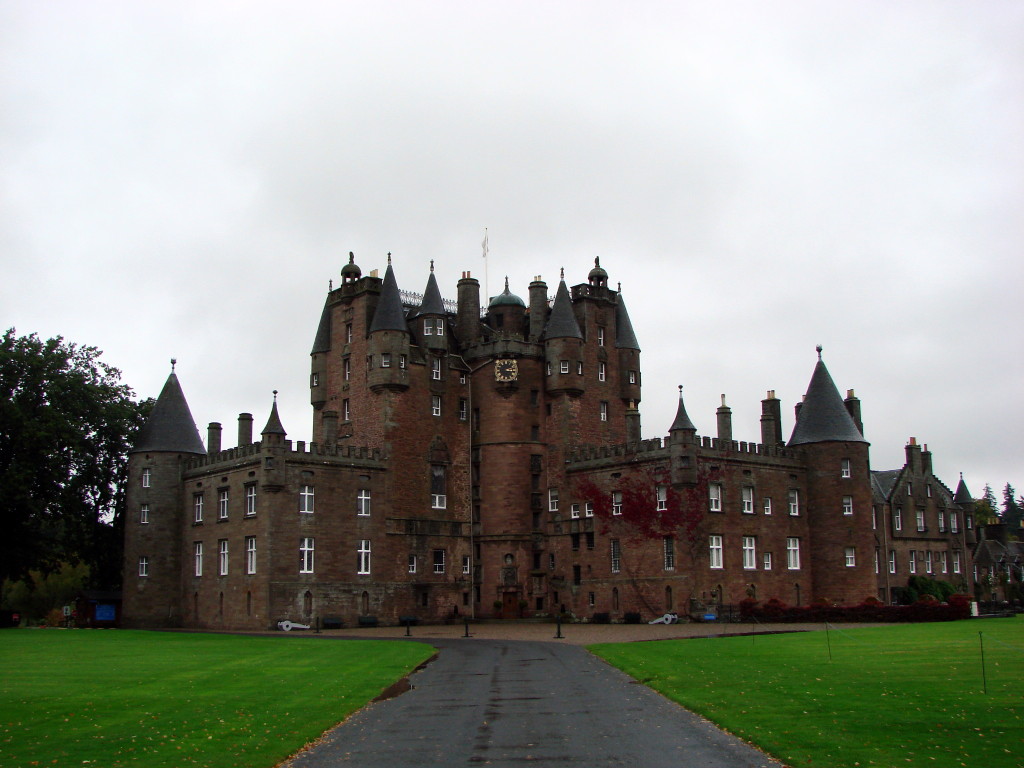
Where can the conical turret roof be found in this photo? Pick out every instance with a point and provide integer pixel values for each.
(389, 315)
(432, 303)
(624, 336)
(823, 416)
(274, 425)
(562, 322)
(322, 342)
(962, 495)
(170, 427)
(682, 419)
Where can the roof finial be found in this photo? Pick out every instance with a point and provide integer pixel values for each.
(506, 283)
(620, 286)
(351, 258)
(597, 261)
(680, 391)
(173, 363)
(275, 395)
(563, 273)
(431, 265)
(330, 285)
(389, 257)
(819, 351)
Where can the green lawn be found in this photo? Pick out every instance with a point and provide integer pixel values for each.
(117, 698)
(908, 695)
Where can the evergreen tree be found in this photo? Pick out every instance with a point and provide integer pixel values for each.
(985, 509)
(1011, 513)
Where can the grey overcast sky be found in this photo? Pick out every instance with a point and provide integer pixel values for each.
(182, 180)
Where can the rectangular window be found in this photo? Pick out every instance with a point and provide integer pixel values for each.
(465, 565)
(913, 561)
(632, 377)
(892, 561)
(793, 553)
(547, 368)
(579, 367)
(197, 507)
(844, 468)
(847, 505)
(577, 575)
(144, 513)
(767, 560)
(250, 554)
(435, 369)
(385, 360)
(910, 489)
(314, 380)
(878, 561)
(348, 333)
(438, 561)
(435, 405)
(874, 517)
(767, 505)
(438, 487)
(222, 557)
(928, 491)
(662, 496)
(616, 556)
(897, 519)
(143, 566)
(604, 410)
(222, 504)
(794, 502)
(668, 545)
(968, 522)
(715, 497)
(851, 557)
(749, 553)
(944, 561)
(748, 500)
(616, 502)
(552, 499)
(440, 327)
(412, 563)
(346, 367)
(250, 499)
(463, 409)
(197, 558)
(928, 561)
(401, 362)
(574, 511)
(715, 551)
(346, 411)
(954, 522)
(920, 520)
(306, 499)
(428, 327)
(574, 539)
(563, 366)
(602, 371)
(363, 557)
(363, 503)
(590, 539)
(600, 338)
(942, 521)
(956, 561)
(588, 509)
(307, 549)
(147, 477)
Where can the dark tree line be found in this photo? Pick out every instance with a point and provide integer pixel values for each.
(66, 425)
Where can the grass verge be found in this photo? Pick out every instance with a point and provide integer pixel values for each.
(125, 698)
(908, 695)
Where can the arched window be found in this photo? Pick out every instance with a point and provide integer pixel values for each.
(365, 603)
(307, 603)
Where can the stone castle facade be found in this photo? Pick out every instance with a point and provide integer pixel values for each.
(486, 461)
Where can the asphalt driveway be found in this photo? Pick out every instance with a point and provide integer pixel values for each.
(509, 702)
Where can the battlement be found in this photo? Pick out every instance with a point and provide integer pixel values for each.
(342, 452)
(587, 455)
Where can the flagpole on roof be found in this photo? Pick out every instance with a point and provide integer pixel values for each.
(487, 295)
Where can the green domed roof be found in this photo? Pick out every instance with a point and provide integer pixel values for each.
(506, 299)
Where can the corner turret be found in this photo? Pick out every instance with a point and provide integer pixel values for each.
(563, 346)
(389, 339)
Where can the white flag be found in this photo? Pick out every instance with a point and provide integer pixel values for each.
(485, 242)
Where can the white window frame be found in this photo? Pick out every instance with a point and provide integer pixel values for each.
(632, 377)
(603, 410)
(942, 521)
(346, 410)
(661, 494)
(616, 502)
(897, 519)
(197, 558)
(385, 360)
(307, 554)
(563, 366)
(766, 560)
(793, 553)
(747, 494)
(767, 505)
(892, 561)
(346, 367)
(364, 502)
(844, 468)
(552, 499)
(250, 555)
(428, 326)
(223, 499)
(847, 505)
(602, 371)
(944, 561)
(143, 566)
(144, 514)
(348, 333)
(954, 522)
(913, 561)
(919, 517)
(463, 409)
(715, 551)
(438, 501)
(850, 554)
(412, 564)
(715, 497)
(600, 338)
(465, 565)
(197, 507)
(222, 557)
(439, 565)
(250, 500)
(435, 368)
(147, 477)
(749, 546)
(956, 561)
(440, 326)
(306, 499)
(363, 557)
(928, 565)
(574, 511)
(435, 405)
(588, 509)
(794, 502)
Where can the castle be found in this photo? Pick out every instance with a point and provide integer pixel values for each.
(486, 461)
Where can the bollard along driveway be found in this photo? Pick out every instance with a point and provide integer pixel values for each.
(509, 702)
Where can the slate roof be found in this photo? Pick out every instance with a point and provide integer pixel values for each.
(991, 552)
(322, 342)
(562, 322)
(624, 336)
(170, 427)
(274, 426)
(389, 315)
(884, 480)
(432, 303)
(682, 419)
(962, 495)
(823, 416)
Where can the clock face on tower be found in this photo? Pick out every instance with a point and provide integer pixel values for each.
(506, 370)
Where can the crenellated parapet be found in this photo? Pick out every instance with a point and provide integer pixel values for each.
(335, 453)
